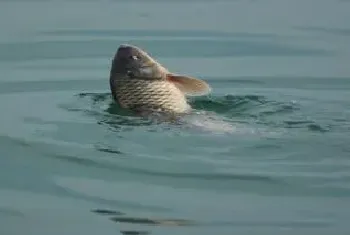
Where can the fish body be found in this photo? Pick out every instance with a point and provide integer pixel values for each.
(139, 82)
(150, 95)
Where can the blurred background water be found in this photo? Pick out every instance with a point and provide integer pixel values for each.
(266, 153)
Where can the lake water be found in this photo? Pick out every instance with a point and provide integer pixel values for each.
(268, 152)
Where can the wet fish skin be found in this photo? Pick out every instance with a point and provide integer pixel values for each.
(139, 82)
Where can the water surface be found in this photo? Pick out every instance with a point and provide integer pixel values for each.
(266, 153)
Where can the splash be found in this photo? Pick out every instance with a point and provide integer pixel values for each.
(208, 122)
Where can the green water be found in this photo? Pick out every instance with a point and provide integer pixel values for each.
(266, 153)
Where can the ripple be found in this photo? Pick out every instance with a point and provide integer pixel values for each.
(223, 114)
(308, 124)
(221, 177)
(105, 48)
(212, 113)
(107, 212)
(140, 171)
(317, 128)
(108, 150)
(245, 105)
(149, 221)
(280, 108)
(95, 97)
(45, 86)
(183, 222)
(129, 232)
(331, 31)
(155, 33)
(225, 104)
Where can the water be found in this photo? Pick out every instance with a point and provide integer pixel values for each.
(266, 153)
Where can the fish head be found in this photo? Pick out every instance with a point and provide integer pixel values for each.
(131, 61)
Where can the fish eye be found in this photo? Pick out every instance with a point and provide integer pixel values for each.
(134, 57)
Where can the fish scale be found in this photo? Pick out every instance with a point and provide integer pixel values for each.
(151, 94)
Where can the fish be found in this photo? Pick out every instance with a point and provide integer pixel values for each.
(138, 82)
